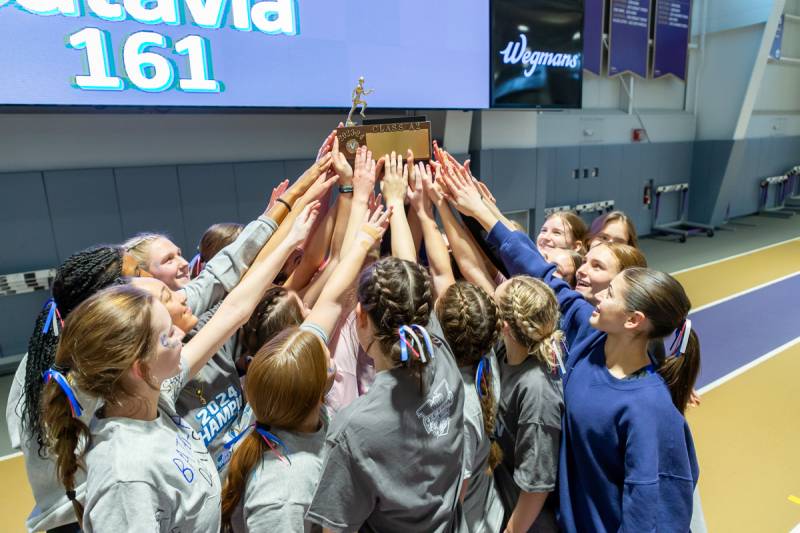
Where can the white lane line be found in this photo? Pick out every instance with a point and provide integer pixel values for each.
(742, 293)
(11, 456)
(734, 256)
(742, 369)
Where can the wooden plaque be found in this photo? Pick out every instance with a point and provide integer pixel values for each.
(385, 137)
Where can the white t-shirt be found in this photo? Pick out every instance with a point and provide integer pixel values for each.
(151, 475)
(278, 493)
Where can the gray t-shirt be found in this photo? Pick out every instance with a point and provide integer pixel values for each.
(212, 401)
(51, 508)
(224, 270)
(528, 430)
(145, 476)
(483, 510)
(278, 494)
(393, 458)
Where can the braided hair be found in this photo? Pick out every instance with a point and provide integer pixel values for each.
(274, 313)
(530, 308)
(471, 324)
(80, 276)
(394, 292)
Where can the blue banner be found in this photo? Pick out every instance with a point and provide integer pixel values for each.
(671, 38)
(593, 20)
(629, 36)
(232, 53)
(775, 51)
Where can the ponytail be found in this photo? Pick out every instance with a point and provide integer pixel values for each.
(680, 372)
(66, 434)
(77, 278)
(396, 293)
(530, 309)
(245, 457)
(662, 299)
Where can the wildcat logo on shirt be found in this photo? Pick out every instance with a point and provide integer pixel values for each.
(435, 412)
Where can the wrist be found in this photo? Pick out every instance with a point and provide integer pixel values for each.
(396, 203)
(486, 218)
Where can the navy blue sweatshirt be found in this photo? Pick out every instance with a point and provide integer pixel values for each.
(627, 460)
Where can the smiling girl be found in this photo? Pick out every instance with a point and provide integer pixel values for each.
(147, 469)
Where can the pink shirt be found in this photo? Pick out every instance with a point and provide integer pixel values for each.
(355, 369)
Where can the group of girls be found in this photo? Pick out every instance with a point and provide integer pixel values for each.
(293, 377)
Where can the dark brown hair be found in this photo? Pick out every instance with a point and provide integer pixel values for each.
(471, 323)
(285, 382)
(394, 292)
(217, 237)
(275, 312)
(663, 301)
(102, 338)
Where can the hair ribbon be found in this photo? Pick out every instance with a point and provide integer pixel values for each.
(683, 333)
(269, 437)
(405, 344)
(53, 317)
(557, 356)
(61, 380)
(426, 337)
(479, 373)
(195, 265)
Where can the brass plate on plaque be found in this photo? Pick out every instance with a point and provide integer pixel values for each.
(382, 139)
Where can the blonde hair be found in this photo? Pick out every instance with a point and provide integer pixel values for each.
(102, 339)
(139, 245)
(530, 309)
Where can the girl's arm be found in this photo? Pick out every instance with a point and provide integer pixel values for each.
(438, 257)
(393, 187)
(467, 253)
(528, 507)
(240, 303)
(328, 309)
(520, 256)
(309, 187)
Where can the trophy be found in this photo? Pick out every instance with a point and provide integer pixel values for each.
(383, 136)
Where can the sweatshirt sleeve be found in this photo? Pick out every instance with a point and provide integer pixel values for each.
(659, 479)
(224, 270)
(521, 257)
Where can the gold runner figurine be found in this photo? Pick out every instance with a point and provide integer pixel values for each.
(358, 92)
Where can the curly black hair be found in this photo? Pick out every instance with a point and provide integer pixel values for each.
(80, 276)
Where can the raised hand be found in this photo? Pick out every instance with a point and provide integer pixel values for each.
(277, 192)
(301, 185)
(302, 225)
(363, 174)
(395, 180)
(374, 201)
(340, 164)
(320, 187)
(421, 182)
(374, 226)
(327, 144)
(434, 188)
(462, 192)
